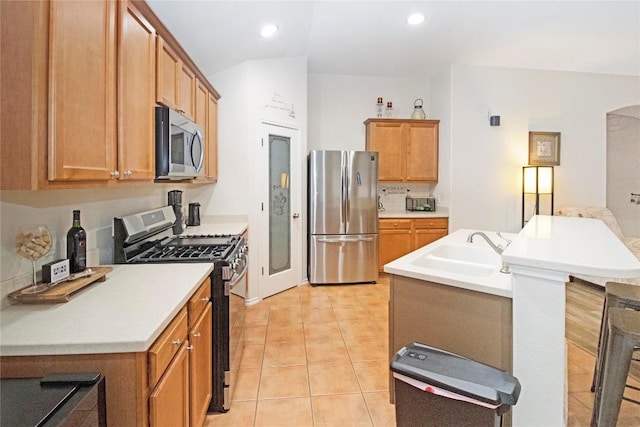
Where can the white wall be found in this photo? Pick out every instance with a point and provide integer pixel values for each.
(440, 106)
(339, 105)
(253, 92)
(486, 161)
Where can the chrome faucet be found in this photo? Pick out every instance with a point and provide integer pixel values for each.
(498, 248)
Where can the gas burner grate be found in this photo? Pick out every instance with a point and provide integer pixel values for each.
(186, 253)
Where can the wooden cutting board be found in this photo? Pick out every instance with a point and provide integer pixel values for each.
(61, 292)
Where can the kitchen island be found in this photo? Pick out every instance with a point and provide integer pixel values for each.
(107, 327)
(541, 258)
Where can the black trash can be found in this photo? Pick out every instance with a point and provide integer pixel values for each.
(438, 388)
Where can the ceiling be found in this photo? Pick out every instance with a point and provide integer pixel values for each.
(373, 38)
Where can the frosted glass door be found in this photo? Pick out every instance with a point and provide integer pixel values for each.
(279, 204)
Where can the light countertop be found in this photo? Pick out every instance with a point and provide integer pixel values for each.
(572, 245)
(496, 283)
(441, 212)
(219, 225)
(125, 313)
(563, 244)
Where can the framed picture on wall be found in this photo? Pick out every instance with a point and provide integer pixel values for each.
(544, 148)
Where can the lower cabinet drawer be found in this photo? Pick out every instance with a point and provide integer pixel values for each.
(166, 346)
(431, 223)
(394, 224)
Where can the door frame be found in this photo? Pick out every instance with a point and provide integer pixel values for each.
(293, 275)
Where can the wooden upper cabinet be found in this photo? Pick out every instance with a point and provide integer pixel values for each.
(422, 151)
(80, 80)
(169, 69)
(136, 95)
(386, 138)
(176, 82)
(211, 165)
(206, 114)
(187, 97)
(408, 149)
(201, 106)
(82, 90)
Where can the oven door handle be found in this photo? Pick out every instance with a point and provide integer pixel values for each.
(235, 278)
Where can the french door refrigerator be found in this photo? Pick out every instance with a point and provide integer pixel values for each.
(343, 217)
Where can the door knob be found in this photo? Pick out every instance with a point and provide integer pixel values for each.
(296, 215)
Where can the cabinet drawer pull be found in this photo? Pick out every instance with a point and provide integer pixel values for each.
(204, 299)
(176, 342)
(190, 348)
(115, 174)
(197, 335)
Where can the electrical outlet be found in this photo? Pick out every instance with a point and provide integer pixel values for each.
(55, 271)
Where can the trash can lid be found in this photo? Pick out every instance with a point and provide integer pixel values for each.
(457, 374)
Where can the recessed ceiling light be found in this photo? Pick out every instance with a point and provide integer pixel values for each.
(415, 19)
(268, 30)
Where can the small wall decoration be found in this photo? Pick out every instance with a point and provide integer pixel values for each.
(544, 148)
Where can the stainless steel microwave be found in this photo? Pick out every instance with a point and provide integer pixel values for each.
(179, 146)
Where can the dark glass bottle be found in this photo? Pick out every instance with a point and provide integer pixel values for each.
(77, 245)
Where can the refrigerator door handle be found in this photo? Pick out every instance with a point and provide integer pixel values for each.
(343, 240)
(345, 189)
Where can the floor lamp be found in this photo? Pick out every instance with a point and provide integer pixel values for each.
(536, 181)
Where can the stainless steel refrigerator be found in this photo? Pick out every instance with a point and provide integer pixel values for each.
(343, 217)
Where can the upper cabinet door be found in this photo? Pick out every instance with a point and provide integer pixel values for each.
(422, 151)
(387, 139)
(176, 82)
(82, 90)
(136, 95)
(169, 68)
(187, 97)
(211, 166)
(201, 101)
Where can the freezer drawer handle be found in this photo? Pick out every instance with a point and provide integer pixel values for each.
(364, 239)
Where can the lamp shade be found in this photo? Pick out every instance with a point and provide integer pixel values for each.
(530, 180)
(538, 179)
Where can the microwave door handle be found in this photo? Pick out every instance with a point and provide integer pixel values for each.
(197, 136)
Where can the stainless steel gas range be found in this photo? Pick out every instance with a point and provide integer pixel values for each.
(147, 237)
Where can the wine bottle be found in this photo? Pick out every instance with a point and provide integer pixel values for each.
(77, 245)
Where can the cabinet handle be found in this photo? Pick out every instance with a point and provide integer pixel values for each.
(115, 174)
(127, 173)
(204, 299)
(190, 348)
(197, 335)
(176, 342)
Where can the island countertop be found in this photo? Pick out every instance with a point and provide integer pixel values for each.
(125, 313)
(496, 283)
(572, 245)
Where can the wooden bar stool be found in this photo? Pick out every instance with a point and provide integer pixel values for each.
(623, 336)
(616, 295)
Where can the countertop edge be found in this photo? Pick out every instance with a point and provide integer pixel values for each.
(135, 342)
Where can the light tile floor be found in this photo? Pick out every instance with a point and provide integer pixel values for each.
(318, 356)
